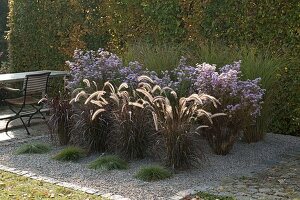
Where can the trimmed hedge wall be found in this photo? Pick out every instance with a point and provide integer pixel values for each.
(3, 28)
(50, 30)
(44, 34)
(272, 23)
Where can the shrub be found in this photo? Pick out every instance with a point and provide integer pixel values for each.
(70, 153)
(34, 148)
(153, 173)
(108, 163)
(173, 117)
(240, 99)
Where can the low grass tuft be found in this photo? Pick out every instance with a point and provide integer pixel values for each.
(153, 173)
(34, 148)
(70, 154)
(110, 162)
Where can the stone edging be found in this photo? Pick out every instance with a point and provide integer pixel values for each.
(63, 184)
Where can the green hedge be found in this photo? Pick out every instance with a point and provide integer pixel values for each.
(3, 28)
(287, 107)
(50, 30)
(272, 23)
(44, 34)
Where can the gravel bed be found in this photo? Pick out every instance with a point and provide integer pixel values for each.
(244, 160)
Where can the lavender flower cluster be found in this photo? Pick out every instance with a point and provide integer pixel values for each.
(235, 95)
(101, 66)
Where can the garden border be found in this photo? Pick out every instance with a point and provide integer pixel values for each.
(34, 176)
(72, 186)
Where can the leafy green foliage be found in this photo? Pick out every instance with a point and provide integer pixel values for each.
(70, 154)
(153, 173)
(109, 162)
(286, 108)
(34, 148)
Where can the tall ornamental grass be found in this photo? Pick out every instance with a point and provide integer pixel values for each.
(173, 118)
(156, 58)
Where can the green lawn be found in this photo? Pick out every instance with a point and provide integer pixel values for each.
(18, 187)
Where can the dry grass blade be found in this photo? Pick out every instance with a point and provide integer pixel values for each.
(145, 86)
(165, 89)
(217, 115)
(156, 88)
(80, 94)
(95, 84)
(155, 119)
(110, 87)
(122, 86)
(196, 98)
(76, 91)
(146, 93)
(97, 113)
(115, 98)
(94, 95)
(145, 78)
(87, 82)
(98, 103)
(136, 104)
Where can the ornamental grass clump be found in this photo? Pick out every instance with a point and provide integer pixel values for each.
(88, 130)
(70, 153)
(109, 162)
(128, 126)
(173, 119)
(60, 122)
(153, 173)
(132, 129)
(34, 148)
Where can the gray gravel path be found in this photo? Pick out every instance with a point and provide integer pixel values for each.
(244, 160)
